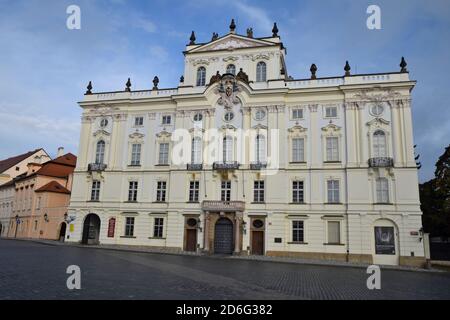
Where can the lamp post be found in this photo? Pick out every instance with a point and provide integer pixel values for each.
(17, 225)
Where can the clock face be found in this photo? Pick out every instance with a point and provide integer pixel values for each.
(377, 109)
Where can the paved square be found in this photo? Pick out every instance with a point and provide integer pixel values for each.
(36, 271)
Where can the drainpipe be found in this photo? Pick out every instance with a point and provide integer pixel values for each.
(346, 184)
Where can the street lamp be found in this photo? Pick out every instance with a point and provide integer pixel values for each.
(17, 225)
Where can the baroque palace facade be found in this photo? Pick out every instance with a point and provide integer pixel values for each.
(326, 169)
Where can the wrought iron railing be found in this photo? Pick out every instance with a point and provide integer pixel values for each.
(226, 165)
(194, 166)
(258, 165)
(224, 206)
(96, 167)
(381, 162)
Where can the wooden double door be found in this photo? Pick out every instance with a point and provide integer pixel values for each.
(257, 247)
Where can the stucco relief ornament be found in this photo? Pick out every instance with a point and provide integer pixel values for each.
(228, 90)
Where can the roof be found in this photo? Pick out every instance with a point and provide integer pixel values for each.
(7, 184)
(53, 186)
(10, 162)
(60, 167)
(68, 159)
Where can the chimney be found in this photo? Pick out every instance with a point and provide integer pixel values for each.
(60, 152)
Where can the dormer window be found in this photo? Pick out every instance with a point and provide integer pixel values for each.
(231, 68)
(261, 72)
(201, 76)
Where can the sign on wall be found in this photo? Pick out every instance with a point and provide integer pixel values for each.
(111, 227)
(384, 240)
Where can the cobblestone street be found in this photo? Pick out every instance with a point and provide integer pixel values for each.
(37, 271)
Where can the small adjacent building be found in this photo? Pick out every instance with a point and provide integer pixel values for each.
(9, 169)
(327, 170)
(41, 198)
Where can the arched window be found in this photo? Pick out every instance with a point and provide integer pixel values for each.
(196, 152)
(201, 76)
(100, 152)
(261, 72)
(227, 149)
(382, 190)
(379, 144)
(260, 148)
(231, 68)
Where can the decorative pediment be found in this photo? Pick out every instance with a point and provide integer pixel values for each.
(163, 134)
(231, 59)
(297, 129)
(228, 127)
(331, 128)
(232, 42)
(377, 122)
(103, 109)
(377, 94)
(260, 126)
(101, 132)
(137, 135)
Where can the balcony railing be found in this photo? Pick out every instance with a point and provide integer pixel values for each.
(223, 206)
(226, 165)
(96, 167)
(258, 165)
(381, 162)
(194, 166)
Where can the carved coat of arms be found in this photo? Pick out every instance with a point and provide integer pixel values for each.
(227, 90)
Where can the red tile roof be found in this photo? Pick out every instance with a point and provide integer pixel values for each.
(53, 186)
(10, 162)
(68, 159)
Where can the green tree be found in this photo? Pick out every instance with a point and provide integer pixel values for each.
(435, 199)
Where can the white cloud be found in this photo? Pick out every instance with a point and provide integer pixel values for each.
(256, 15)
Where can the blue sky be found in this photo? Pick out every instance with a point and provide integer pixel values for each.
(45, 67)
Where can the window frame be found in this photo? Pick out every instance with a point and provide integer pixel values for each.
(158, 228)
(163, 155)
(225, 190)
(333, 190)
(129, 226)
(332, 116)
(332, 150)
(139, 123)
(261, 71)
(234, 69)
(100, 148)
(382, 190)
(298, 191)
(161, 191)
(136, 152)
(259, 191)
(297, 230)
(133, 187)
(194, 191)
(201, 76)
(339, 233)
(95, 190)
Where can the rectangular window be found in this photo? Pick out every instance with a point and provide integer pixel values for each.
(298, 150)
(136, 154)
(163, 153)
(334, 232)
(332, 149)
(330, 112)
(297, 114)
(95, 191)
(333, 191)
(226, 191)
(138, 121)
(297, 192)
(158, 227)
(297, 231)
(38, 205)
(382, 190)
(129, 227)
(194, 187)
(161, 191)
(166, 119)
(35, 224)
(132, 191)
(258, 191)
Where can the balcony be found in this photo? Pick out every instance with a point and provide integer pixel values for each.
(258, 165)
(96, 167)
(381, 162)
(194, 166)
(223, 206)
(226, 165)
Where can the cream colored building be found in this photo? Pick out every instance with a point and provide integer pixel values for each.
(328, 170)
